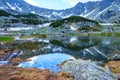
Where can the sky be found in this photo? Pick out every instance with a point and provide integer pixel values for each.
(56, 4)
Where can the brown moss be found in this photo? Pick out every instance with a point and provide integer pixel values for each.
(114, 66)
(8, 72)
(69, 76)
(2, 52)
(17, 60)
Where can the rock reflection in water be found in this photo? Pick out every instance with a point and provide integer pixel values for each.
(86, 47)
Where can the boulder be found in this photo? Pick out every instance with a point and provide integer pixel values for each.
(88, 70)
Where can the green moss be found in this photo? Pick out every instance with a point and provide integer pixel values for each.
(6, 38)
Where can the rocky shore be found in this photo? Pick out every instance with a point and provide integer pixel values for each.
(70, 70)
(7, 56)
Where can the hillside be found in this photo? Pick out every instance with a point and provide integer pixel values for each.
(76, 23)
(29, 18)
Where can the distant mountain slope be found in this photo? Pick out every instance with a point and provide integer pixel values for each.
(20, 6)
(102, 11)
(28, 18)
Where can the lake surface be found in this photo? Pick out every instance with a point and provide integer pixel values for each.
(48, 53)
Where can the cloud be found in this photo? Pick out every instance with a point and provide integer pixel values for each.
(32, 2)
(74, 2)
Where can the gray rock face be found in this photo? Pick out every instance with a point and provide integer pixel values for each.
(88, 70)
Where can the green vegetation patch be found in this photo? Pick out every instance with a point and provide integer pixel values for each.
(71, 19)
(6, 38)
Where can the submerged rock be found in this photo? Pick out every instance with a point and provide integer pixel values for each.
(88, 70)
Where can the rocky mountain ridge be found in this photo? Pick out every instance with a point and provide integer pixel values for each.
(103, 11)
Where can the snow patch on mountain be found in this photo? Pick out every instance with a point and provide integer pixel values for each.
(67, 16)
(33, 12)
(89, 15)
(13, 8)
(20, 9)
(1, 7)
(101, 12)
(73, 28)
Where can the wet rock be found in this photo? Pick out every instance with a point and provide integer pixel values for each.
(88, 70)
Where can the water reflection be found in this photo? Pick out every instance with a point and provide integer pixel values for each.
(78, 47)
(47, 61)
(76, 44)
(86, 47)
